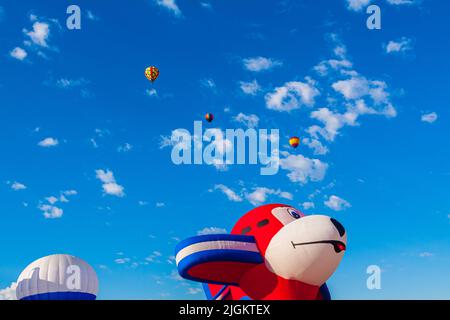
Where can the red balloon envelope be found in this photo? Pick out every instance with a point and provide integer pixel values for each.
(274, 252)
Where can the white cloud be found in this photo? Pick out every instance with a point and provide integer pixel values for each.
(429, 117)
(194, 291)
(353, 88)
(40, 33)
(337, 204)
(65, 83)
(231, 195)
(18, 53)
(110, 185)
(211, 230)
(206, 5)
(160, 204)
(251, 88)
(91, 16)
(122, 260)
(221, 146)
(48, 142)
(52, 199)
(402, 2)
(166, 141)
(151, 92)
(9, 293)
(401, 45)
(70, 192)
(426, 254)
(16, 186)
(209, 84)
(257, 64)
(250, 121)
(302, 169)
(315, 144)
(170, 5)
(50, 211)
(332, 122)
(338, 65)
(292, 95)
(260, 194)
(352, 96)
(357, 5)
(126, 147)
(308, 205)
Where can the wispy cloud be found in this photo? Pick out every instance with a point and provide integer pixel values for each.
(302, 169)
(231, 195)
(51, 211)
(66, 83)
(151, 92)
(39, 33)
(18, 53)
(110, 186)
(48, 142)
(258, 64)
(16, 186)
(336, 203)
(259, 195)
(171, 6)
(399, 46)
(250, 120)
(426, 254)
(357, 5)
(211, 230)
(251, 88)
(292, 95)
(51, 206)
(206, 5)
(9, 293)
(91, 16)
(126, 147)
(429, 117)
(208, 83)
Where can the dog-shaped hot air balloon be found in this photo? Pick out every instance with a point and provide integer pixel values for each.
(274, 252)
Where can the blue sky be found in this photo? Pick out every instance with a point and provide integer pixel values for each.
(85, 169)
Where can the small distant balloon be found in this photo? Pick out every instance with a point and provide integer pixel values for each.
(209, 117)
(151, 73)
(294, 142)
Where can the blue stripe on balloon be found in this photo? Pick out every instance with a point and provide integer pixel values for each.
(61, 296)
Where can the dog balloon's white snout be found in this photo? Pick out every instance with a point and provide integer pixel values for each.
(307, 250)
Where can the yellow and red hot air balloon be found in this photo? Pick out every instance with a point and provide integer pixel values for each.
(209, 117)
(151, 73)
(294, 142)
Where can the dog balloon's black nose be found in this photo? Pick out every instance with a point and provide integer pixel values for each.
(340, 228)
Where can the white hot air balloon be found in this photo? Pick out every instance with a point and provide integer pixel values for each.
(57, 277)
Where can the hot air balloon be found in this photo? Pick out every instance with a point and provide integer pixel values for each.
(209, 117)
(274, 252)
(151, 73)
(294, 141)
(57, 277)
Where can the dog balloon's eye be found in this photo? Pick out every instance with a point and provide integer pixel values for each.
(294, 213)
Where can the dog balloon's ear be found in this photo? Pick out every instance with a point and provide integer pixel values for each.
(217, 258)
